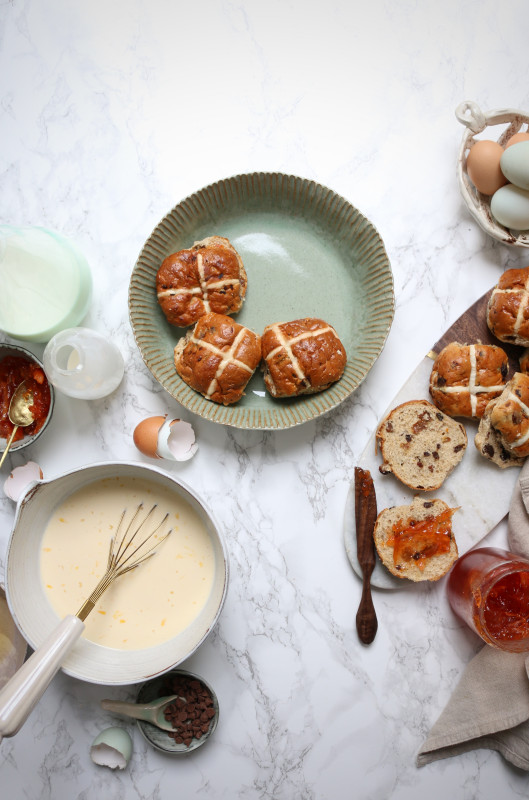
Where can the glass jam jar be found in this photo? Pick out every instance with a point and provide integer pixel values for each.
(488, 588)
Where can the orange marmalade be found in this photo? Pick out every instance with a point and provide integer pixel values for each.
(488, 588)
(414, 540)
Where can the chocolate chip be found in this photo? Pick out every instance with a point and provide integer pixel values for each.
(192, 711)
(439, 416)
(408, 437)
(427, 504)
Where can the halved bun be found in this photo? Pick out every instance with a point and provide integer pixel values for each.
(414, 555)
(420, 445)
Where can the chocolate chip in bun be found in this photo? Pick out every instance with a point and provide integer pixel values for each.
(209, 276)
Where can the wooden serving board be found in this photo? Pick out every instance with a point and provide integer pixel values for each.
(480, 489)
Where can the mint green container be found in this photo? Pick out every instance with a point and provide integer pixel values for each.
(45, 283)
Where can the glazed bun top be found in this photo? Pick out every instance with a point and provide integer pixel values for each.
(209, 276)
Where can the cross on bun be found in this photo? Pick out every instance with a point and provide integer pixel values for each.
(218, 357)
(209, 276)
(465, 378)
(301, 357)
(508, 307)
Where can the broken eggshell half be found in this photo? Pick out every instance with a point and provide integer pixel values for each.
(20, 479)
(112, 748)
(170, 439)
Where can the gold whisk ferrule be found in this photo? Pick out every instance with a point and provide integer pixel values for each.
(121, 555)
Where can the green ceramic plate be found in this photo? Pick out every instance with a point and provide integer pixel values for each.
(307, 253)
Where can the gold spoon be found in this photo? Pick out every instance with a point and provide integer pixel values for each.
(19, 413)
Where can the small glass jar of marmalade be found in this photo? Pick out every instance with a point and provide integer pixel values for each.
(489, 589)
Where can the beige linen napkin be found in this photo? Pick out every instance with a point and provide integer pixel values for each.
(490, 705)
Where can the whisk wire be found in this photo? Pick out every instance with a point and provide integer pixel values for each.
(118, 561)
(124, 543)
(122, 561)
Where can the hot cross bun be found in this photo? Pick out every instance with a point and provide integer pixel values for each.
(510, 416)
(218, 357)
(301, 357)
(508, 307)
(465, 378)
(209, 276)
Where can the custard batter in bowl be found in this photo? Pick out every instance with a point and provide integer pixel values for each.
(150, 604)
(152, 618)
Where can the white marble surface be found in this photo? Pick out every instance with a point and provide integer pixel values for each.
(110, 114)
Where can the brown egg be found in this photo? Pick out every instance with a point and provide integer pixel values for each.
(518, 137)
(483, 166)
(171, 439)
(146, 436)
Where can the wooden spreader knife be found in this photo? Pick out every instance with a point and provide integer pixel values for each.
(365, 517)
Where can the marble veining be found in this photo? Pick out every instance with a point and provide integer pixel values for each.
(111, 115)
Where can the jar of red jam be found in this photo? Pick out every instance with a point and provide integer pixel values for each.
(488, 588)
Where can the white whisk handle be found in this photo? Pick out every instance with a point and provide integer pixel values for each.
(20, 694)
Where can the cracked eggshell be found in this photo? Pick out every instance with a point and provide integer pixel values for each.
(112, 748)
(170, 439)
(21, 479)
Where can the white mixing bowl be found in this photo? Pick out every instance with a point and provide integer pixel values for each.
(31, 608)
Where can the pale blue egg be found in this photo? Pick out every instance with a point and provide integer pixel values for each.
(510, 207)
(514, 164)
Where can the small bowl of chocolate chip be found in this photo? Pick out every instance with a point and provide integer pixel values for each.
(193, 714)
